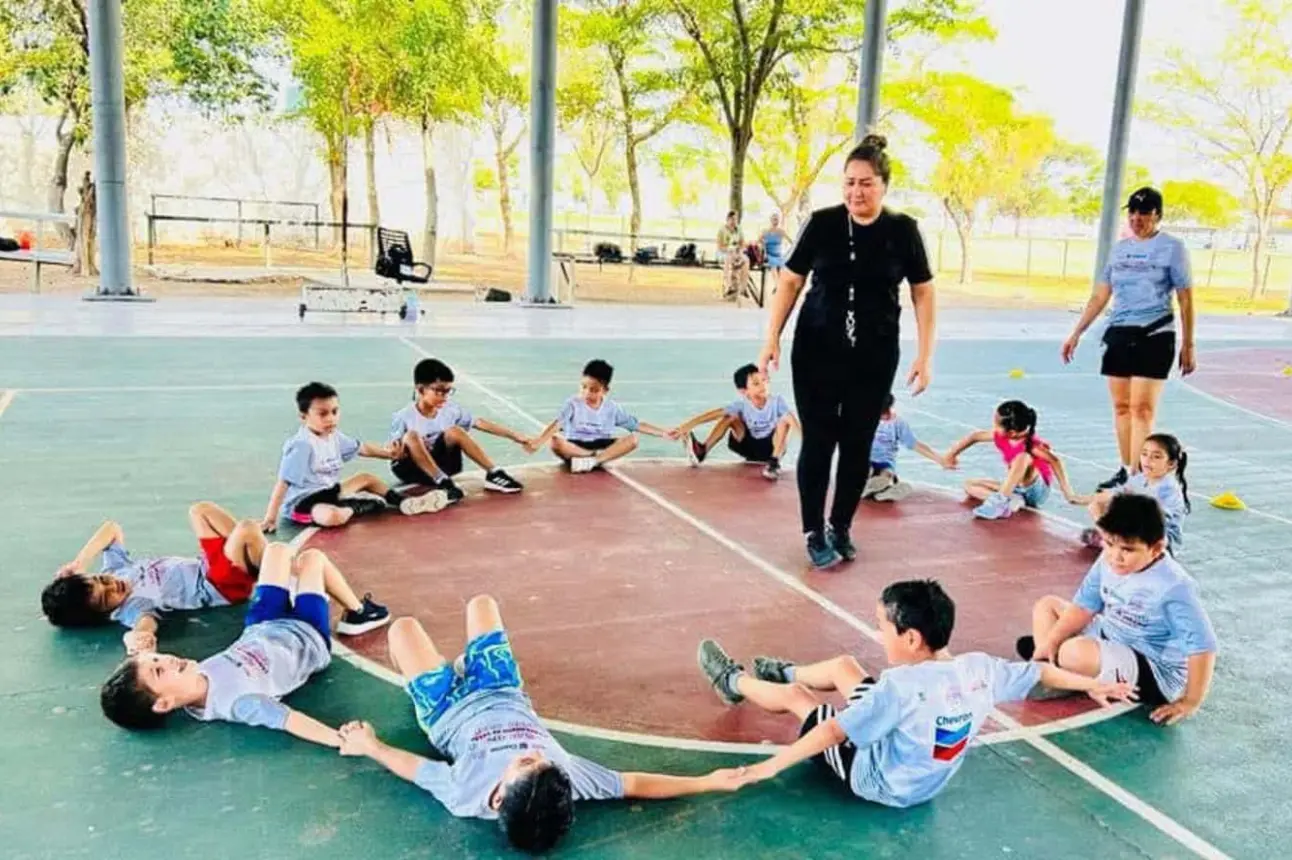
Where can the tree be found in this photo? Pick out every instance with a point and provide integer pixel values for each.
(648, 92)
(1083, 180)
(692, 172)
(1201, 202)
(1236, 107)
(204, 52)
(585, 110)
(984, 146)
(506, 98)
(735, 46)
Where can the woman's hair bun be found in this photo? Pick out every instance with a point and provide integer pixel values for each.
(875, 141)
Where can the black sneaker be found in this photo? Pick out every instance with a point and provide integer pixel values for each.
(1025, 646)
(695, 450)
(370, 616)
(820, 552)
(362, 506)
(772, 669)
(450, 489)
(772, 471)
(499, 481)
(1117, 480)
(841, 540)
(721, 671)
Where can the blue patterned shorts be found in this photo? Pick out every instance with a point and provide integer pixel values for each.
(490, 665)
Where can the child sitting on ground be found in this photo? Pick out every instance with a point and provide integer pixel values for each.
(1162, 462)
(282, 645)
(309, 488)
(1136, 617)
(433, 433)
(1031, 464)
(583, 433)
(892, 433)
(757, 425)
(137, 593)
(503, 763)
(900, 739)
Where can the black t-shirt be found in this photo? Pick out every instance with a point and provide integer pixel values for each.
(884, 253)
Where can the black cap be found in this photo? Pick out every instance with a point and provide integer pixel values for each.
(1145, 200)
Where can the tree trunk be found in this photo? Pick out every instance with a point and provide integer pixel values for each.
(58, 183)
(504, 200)
(1258, 247)
(86, 230)
(430, 238)
(740, 139)
(964, 229)
(805, 205)
(337, 176)
(370, 170)
(634, 186)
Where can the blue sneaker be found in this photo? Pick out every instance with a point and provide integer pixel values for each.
(820, 552)
(841, 540)
(997, 507)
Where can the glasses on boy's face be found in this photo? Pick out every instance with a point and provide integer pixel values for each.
(443, 390)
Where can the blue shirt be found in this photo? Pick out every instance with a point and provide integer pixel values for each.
(1155, 612)
(579, 422)
(269, 660)
(888, 436)
(159, 585)
(432, 428)
(311, 463)
(761, 423)
(1143, 274)
(1170, 496)
(912, 728)
(481, 735)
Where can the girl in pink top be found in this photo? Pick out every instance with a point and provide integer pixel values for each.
(1031, 464)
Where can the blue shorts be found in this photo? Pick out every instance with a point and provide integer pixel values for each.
(1035, 493)
(273, 602)
(876, 467)
(490, 665)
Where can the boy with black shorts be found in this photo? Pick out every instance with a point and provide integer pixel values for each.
(583, 433)
(757, 424)
(1136, 617)
(283, 644)
(502, 762)
(901, 738)
(309, 490)
(434, 433)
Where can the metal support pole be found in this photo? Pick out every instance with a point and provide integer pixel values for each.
(872, 59)
(108, 104)
(542, 140)
(1119, 133)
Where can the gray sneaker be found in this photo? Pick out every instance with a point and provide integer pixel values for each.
(721, 670)
(894, 492)
(772, 669)
(878, 483)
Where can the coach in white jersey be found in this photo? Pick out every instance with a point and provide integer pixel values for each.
(900, 739)
(1136, 617)
(283, 644)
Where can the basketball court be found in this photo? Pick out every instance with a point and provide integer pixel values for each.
(609, 580)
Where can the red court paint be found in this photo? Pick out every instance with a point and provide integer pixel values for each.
(1251, 378)
(606, 595)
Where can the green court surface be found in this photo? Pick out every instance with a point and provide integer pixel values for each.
(138, 428)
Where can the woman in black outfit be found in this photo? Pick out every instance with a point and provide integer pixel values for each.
(845, 351)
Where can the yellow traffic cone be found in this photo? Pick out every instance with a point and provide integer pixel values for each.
(1227, 501)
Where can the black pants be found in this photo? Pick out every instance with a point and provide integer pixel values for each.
(840, 397)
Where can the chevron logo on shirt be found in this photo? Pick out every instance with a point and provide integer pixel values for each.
(949, 743)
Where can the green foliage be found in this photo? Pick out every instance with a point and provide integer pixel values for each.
(1201, 202)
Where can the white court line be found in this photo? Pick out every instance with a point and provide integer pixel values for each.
(250, 386)
(1144, 810)
(1286, 425)
(6, 398)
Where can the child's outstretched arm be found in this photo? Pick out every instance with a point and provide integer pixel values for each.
(390, 451)
(142, 638)
(954, 452)
(653, 430)
(309, 729)
(659, 786)
(1201, 668)
(484, 425)
(929, 454)
(1062, 679)
(270, 522)
(1044, 452)
(360, 739)
(542, 438)
(106, 535)
(1073, 620)
(821, 738)
(703, 418)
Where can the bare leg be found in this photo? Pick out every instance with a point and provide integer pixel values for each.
(334, 583)
(777, 698)
(364, 482)
(310, 574)
(330, 516)
(415, 445)
(483, 616)
(245, 545)
(841, 674)
(622, 446)
(1045, 614)
(781, 437)
(568, 450)
(981, 488)
(277, 565)
(209, 520)
(1144, 397)
(411, 649)
(1019, 472)
(724, 424)
(1080, 654)
(1120, 391)
(460, 438)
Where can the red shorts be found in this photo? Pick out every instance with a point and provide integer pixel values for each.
(234, 584)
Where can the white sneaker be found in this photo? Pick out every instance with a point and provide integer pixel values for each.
(579, 465)
(878, 483)
(460, 666)
(894, 492)
(427, 503)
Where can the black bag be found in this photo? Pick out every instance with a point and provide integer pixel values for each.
(608, 252)
(1127, 336)
(685, 253)
(7, 244)
(496, 295)
(646, 255)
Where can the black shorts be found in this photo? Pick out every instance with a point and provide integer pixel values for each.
(447, 457)
(1150, 694)
(593, 444)
(837, 760)
(1129, 352)
(330, 496)
(752, 449)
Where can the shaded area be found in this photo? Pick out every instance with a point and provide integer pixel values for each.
(1251, 378)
